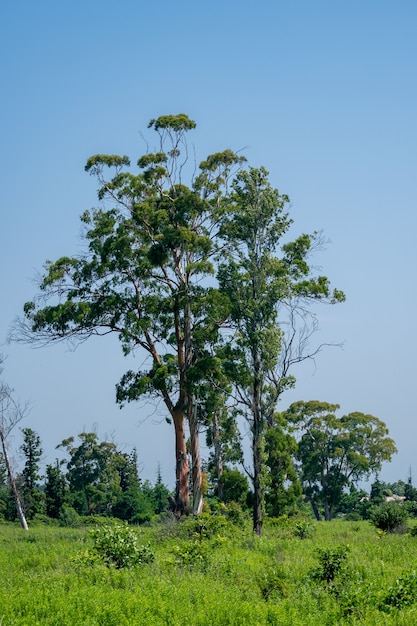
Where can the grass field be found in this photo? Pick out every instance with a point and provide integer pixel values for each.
(339, 573)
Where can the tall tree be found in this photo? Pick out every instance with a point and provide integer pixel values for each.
(336, 452)
(268, 291)
(142, 278)
(32, 496)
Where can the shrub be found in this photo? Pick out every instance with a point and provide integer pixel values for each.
(303, 529)
(69, 517)
(272, 584)
(389, 517)
(204, 526)
(116, 545)
(191, 555)
(330, 564)
(402, 592)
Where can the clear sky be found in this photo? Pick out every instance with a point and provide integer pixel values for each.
(323, 94)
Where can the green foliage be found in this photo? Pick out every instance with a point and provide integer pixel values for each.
(335, 452)
(204, 526)
(55, 490)
(273, 584)
(303, 529)
(390, 517)
(242, 579)
(68, 517)
(331, 563)
(402, 593)
(234, 485)
(33, 498)
(191, 555)
(116, 544)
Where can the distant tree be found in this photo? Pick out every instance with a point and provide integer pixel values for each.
(410, 491)
(398, 487)
(283, 485)
(161, 494)
(352, 501)
(224, 441)
(33, 498)
(3, 486)
(55, 490)
(336, 452)
(235, 486)
(11, 413)
(377, 494)
(91, 474)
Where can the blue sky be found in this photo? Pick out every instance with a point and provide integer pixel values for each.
(323, 94)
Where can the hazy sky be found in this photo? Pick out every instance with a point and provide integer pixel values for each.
(323, 94)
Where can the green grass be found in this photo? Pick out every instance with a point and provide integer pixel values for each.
(232, 578)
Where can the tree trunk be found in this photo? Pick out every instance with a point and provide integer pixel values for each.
(316, 511)
(19, 508)
(195, 458)
(182, 492)
(257, 482)
(218, 456)
(257, 441)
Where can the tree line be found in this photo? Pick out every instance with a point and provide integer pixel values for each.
(204, 279)
(321, 466)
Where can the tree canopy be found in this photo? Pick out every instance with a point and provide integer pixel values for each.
(335, 452)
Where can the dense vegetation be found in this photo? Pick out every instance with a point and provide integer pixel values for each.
(208, 570)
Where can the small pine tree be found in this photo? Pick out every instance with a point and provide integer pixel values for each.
(33, 498)
(55, 490)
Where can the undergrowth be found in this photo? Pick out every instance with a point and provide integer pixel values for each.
(204, 572)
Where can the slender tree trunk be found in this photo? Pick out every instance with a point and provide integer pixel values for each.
(182, 492)
(257, 483)
(218, 456)
(12, 481)
(257, 443)
(195, 458)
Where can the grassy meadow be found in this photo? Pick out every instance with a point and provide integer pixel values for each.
(211, 572)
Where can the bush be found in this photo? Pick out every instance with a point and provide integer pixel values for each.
(69, 517)
(402, 593)
(272, 584)
(389, 517)
(116, 545)
(303, 529)
(331, 563)
(204, 526)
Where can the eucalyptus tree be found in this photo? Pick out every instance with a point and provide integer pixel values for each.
(335, 452)
(270, 292)
(150, 246)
